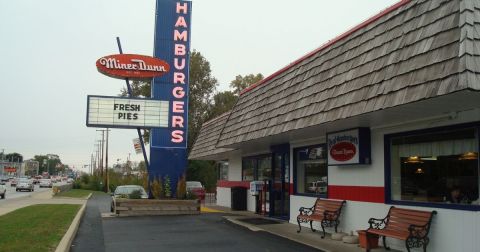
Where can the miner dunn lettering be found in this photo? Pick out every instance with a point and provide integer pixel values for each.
(137, 64)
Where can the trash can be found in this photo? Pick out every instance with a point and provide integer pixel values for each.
(239, 198)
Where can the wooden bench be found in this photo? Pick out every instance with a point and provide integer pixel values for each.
(324, 211)
(411, 226)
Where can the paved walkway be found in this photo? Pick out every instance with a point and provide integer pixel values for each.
(44, 197)
(90, 232)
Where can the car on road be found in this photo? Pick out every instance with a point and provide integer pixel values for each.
(4, 179)
(45, 183)
(3, 191)
(13, 182)
(196, 188)
(124, 191)
(25, 185)
(70, 180)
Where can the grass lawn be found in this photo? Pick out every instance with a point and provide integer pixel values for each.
(75, 193)
(36, 228)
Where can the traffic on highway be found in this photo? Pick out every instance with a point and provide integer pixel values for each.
(14, 189)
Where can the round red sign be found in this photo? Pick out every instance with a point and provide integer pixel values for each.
(343, 151)
(132, 66)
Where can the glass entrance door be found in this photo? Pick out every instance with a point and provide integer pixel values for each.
(280, 186)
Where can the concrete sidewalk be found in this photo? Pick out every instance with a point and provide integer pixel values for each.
(289, 231)
(44, 197)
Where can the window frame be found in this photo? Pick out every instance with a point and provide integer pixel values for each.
(387, 166)
(255, 167)
(295, 178)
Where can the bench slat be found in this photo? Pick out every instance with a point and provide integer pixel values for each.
(390, 233)
(417, 222)
(416, 213)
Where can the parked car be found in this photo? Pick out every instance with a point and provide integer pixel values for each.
(46, 183)
(124, 191)
(25, 184)
(196, 188)
(3, 191)
(70, 180)
(13, 182)
(4, 179)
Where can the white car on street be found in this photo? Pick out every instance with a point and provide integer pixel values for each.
(25, 184)
(45, 183)
(3, 191)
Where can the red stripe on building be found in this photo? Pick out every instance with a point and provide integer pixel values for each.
(357, 193)
(229, 184)
(329, 43)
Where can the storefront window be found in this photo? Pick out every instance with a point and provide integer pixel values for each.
(437, 167)
(256, 168)
(223, 170)
(311, 170)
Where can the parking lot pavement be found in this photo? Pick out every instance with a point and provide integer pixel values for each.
(206, 232)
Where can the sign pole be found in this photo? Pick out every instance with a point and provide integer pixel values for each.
(130, 94)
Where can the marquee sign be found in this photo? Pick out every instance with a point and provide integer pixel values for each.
(349, 147)
(119, 112)
(132, 66)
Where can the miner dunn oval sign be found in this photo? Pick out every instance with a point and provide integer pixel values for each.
(132, 66)
(343, 151)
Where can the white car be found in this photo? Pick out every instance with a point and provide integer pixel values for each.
(25, 184)
(124, 191)
(3, 191)
(45, 183)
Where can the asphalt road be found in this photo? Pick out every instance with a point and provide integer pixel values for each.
(12, 194)
(205, 232)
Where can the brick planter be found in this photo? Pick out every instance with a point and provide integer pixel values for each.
(145, 207)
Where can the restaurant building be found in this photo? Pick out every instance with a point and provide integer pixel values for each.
(386, 114)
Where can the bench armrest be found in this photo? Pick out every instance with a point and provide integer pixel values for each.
(418, 231)
(305, 210)
(377, 223)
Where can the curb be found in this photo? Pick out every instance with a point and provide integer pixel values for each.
(67, 239)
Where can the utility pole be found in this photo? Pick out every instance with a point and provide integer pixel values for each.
(91, 163)
(103, 142)
(100, 157)
(106, 164)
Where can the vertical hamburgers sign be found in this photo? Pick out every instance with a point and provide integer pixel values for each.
(349, 147)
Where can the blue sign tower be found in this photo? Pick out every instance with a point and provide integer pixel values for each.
(168, 146)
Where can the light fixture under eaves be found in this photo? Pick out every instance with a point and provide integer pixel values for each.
(414, 160)
(470, 155)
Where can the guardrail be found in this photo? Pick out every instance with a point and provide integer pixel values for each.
(62, 188)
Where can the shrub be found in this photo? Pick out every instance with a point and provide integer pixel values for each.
(157, 188)
(181, 188)
(167, 187)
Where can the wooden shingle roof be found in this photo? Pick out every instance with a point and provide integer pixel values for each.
(418, 50)
(204, 146)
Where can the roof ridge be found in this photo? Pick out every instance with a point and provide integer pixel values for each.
(329, 43)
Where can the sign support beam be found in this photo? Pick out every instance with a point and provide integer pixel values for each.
(130, 94)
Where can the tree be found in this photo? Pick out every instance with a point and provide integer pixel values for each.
(242, 82)
(222, 102)
(202, 85)
(14, 157)
(47, 163)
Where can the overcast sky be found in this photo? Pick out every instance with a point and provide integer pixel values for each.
(48, 51)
